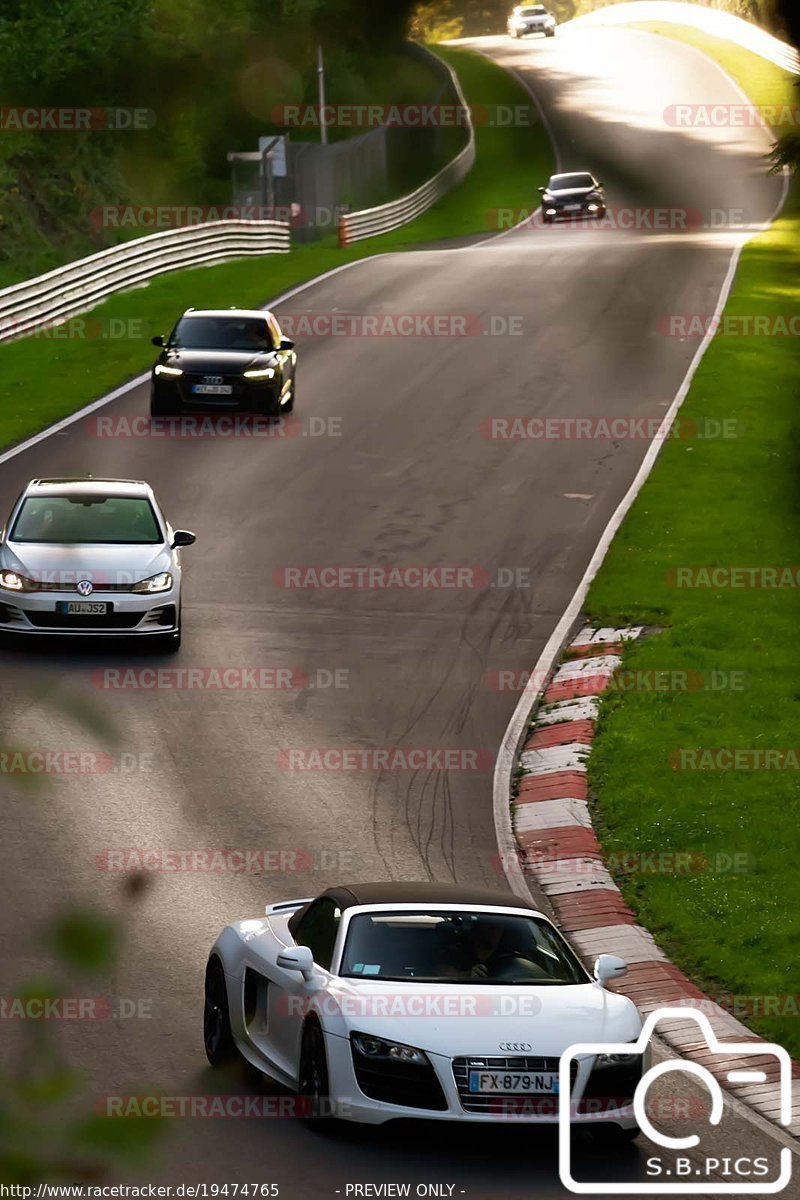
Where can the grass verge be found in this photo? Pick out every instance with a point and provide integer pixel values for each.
(733, 923)
(44, 378)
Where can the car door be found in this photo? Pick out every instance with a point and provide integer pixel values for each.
(288, 1000)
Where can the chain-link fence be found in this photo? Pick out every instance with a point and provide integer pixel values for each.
(323, 182)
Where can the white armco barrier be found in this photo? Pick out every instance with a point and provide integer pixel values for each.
(79, 286)
(353, 227)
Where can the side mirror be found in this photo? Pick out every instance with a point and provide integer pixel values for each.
(609, 966)
(286, 344)
(297, 958)
(158, 340)
(183, 537)
(541, 189)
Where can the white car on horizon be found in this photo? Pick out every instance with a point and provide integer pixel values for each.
(397, 1000)
(91, 557)
(531, 18)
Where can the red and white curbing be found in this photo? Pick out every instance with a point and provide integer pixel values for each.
(558, 847)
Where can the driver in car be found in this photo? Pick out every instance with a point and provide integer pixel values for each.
(479, 954)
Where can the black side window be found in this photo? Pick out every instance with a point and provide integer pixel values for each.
(318, 929)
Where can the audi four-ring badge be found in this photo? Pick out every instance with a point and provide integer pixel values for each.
(389, 1000)
(91, 557)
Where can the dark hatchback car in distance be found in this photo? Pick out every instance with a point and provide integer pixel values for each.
(572, 194)
(218, 359)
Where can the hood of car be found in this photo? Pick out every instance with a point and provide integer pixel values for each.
(570, 193)
(218, 362)
(100, 564)
(457, 1019)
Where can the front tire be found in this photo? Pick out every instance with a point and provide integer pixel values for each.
(549, 33)
(161, 408)
(313, 1078)
(217, 1034)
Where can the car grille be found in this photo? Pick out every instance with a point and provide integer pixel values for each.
(44, 620)
(70, 587)
(542, 1105)
(611, 1087)
(399, 1083)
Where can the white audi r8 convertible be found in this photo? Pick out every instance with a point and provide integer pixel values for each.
(388, 1000)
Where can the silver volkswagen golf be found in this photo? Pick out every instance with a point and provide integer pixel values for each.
(92, 557)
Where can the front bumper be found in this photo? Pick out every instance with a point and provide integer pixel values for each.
(350, 1103)
(176, 393)
(524, 31)
(564, 210)
(131, 615)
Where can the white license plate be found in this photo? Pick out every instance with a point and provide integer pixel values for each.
(572, 208)
(212, 389)
(515, 1083)
(82, 608)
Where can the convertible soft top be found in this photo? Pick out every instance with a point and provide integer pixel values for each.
(347, 896)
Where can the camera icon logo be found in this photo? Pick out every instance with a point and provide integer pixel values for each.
(688, 1182)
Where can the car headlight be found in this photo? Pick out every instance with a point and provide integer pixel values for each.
(592, 207)
(156, 583)
(263, 373)
(376, 1048)
(12, 581)
(163, 369)
(550, 212)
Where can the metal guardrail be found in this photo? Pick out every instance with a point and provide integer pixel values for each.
(369, 222)
(79, 285)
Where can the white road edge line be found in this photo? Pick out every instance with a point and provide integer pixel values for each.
(509, 747)
(512, 738)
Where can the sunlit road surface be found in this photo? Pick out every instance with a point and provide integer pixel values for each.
(402, 474)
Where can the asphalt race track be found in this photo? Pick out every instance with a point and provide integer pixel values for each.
(396, 470)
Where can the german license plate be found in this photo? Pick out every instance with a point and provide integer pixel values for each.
(572, 208)
(82, 608)
(212, 389)
(515, 1083)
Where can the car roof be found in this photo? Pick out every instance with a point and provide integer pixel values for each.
(259, 314)
(366, 894)
(88, 486)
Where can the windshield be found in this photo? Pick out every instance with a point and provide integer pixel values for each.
(453, 947)
(560, 182)
(538, 11)
(87, 520)
(221, 333)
